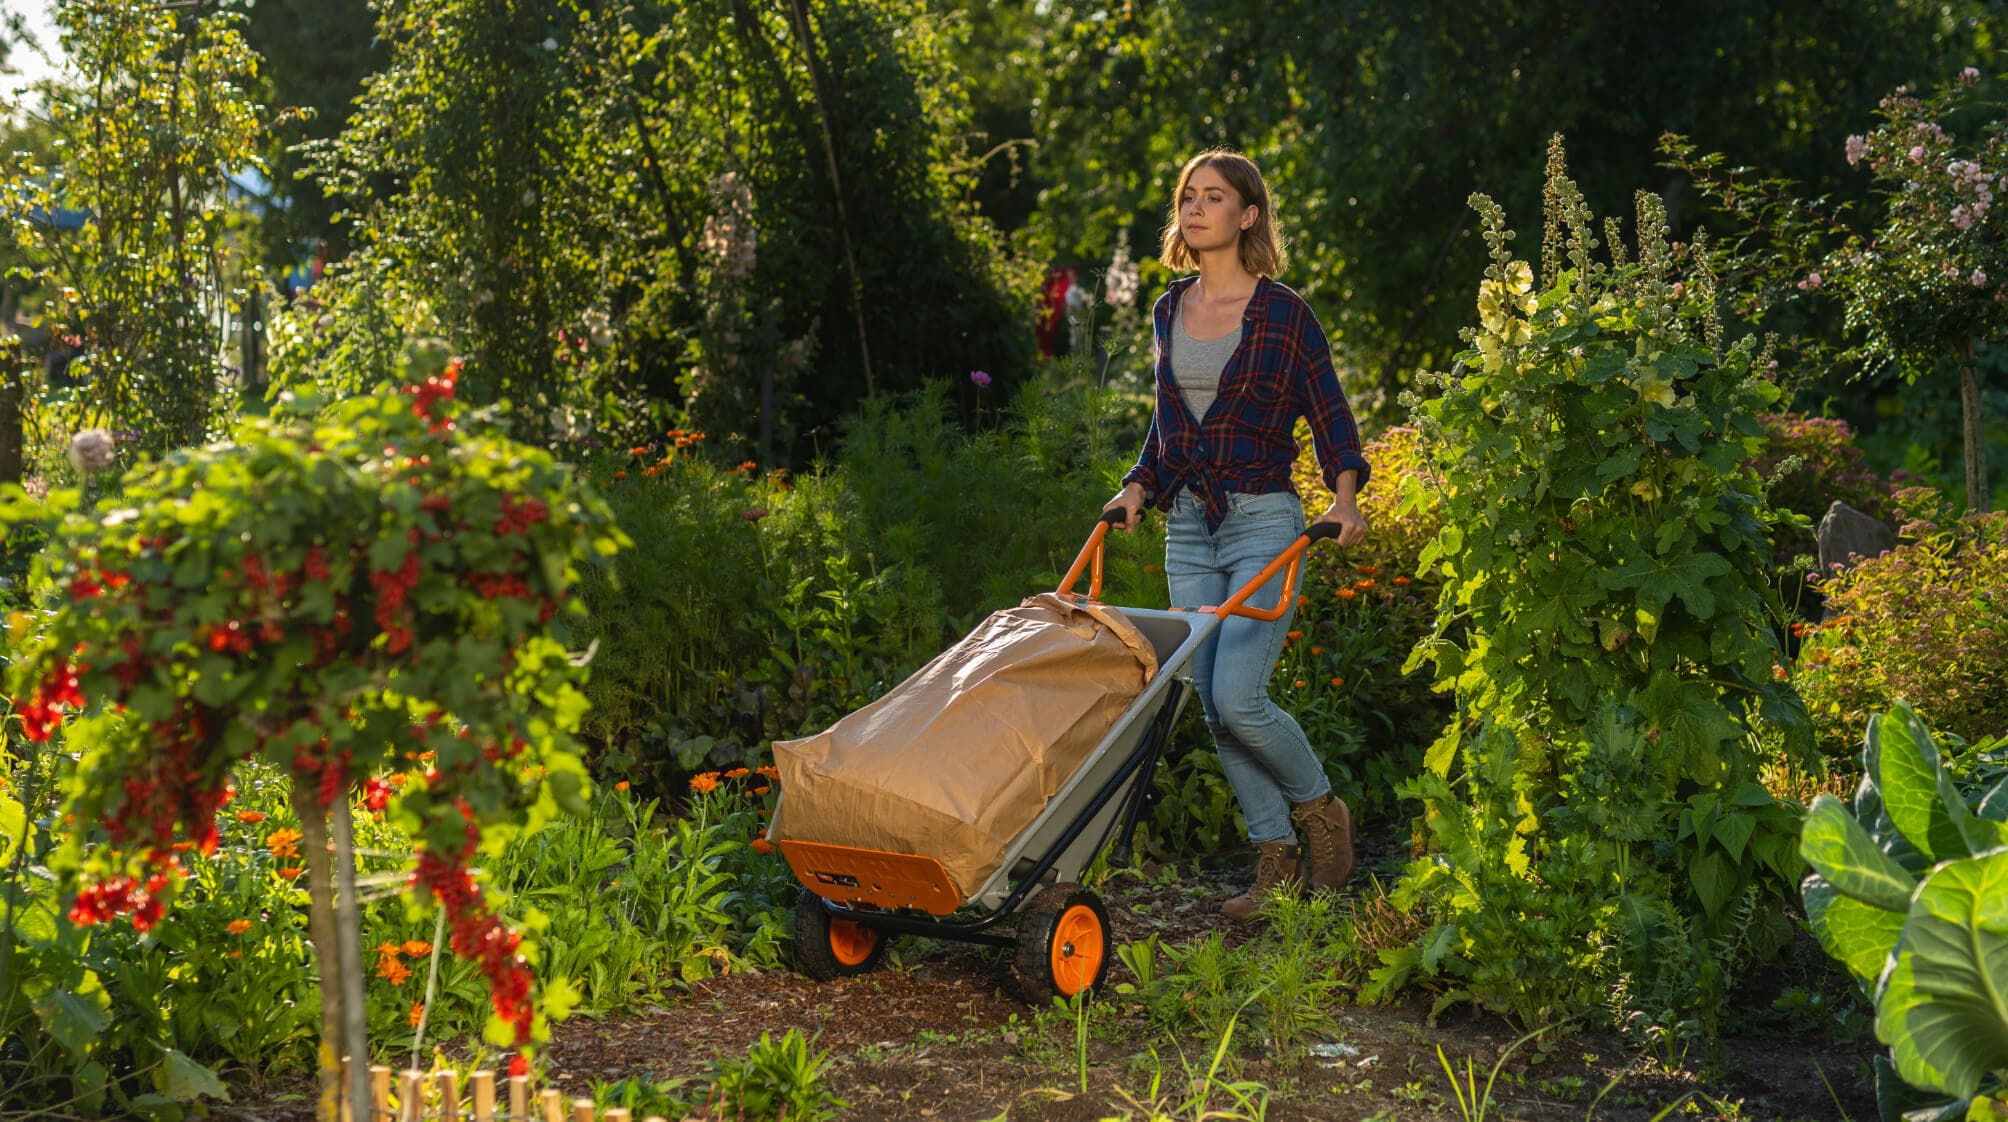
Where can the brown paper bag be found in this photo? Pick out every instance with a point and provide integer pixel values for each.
(957, 760)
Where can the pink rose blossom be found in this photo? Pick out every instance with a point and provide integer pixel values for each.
(1858, 146)
(1970, 74)
(1811, 283)
(1917, 154)
(1978, 278)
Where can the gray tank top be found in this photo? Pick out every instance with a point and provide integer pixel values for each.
(1196, 364)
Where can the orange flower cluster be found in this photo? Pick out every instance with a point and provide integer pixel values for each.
(416, 1015)
(251, 817)
(283, 842)
(390, 965)
(238, 926)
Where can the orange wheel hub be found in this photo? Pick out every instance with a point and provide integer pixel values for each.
(1077, 950)
(851, 942)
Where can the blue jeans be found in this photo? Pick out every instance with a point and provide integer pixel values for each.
(1263, 751)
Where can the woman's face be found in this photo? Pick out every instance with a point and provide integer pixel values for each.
(1210, 213)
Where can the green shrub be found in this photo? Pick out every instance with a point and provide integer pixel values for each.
(1826, 466)
(1593, 806)
(1927, 621)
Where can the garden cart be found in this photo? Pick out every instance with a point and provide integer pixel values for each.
(855, 899)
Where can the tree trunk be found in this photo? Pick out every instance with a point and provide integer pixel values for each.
(321, 928)
(1976, 432)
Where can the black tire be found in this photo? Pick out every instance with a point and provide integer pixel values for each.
(828, 947)
(1065, 944)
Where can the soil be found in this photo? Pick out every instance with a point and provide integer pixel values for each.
(940, 1033)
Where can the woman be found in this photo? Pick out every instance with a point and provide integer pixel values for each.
(1239, 358)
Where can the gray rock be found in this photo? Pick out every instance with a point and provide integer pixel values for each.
(1846, 533)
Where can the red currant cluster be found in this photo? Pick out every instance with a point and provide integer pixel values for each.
(392, 586)
(41, 714)
(117, 896)
(518, 518)
(480, 935)
(425, 399)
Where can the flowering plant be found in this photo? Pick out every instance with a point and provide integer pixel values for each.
(341, 587)
(1928, 279)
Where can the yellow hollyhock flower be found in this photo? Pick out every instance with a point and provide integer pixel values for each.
(1517, 333)
(1488, 350)
(1492, 306)
(1519, 276)
(1656, 391)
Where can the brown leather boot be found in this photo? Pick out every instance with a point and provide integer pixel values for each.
(1328, 841)
(1275, 866)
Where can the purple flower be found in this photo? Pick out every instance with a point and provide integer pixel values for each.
(979, 377)
(1917, 154)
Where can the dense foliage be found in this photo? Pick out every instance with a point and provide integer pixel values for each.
(548, 188)
(1593, 806)
(137, 298)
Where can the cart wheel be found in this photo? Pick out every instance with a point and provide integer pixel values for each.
(1063, 944)
(828, 947)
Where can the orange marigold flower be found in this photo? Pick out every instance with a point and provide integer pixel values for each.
(416, 948)
(769, 771)
(1303, 601)
(1347, 594)
(620, 474)
(238, 926)
(291, 871)
(1294, 636)
(1338, 681)
(1403, 581)
(393, 970)
(749, 465)
(1369, 570)
(1317, 650)
(737, 773)
(177, 847)
(704, 782)
(251, 817)
(621, 786)
(417, 1013)
(762, 845)
(1300, 683)
(1363, 583)
(762, 789)
(283, 842)
(639, 450)
(236, 954)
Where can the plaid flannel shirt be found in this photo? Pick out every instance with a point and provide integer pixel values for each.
(1246, 442)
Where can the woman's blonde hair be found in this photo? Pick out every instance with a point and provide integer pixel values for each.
(1262, 248)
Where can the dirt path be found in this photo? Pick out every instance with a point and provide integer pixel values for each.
(941, 1035)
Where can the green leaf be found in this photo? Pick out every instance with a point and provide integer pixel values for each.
(1837, 848)
(13, 828)
(1859, 936)
(71, 1021)
(1943, 1007)
(1714, 880)
(1919, 795)
(1658, 579)
(184, 1080)
(1733, 832)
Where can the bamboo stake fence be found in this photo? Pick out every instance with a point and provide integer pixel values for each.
(436, 1097)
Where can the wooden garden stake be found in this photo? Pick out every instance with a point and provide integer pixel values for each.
(379, 1092)
(449, 1096)
(481, 1084)
(554, 1105)
(519, 1098)
(348, 936)
(582, 1110)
